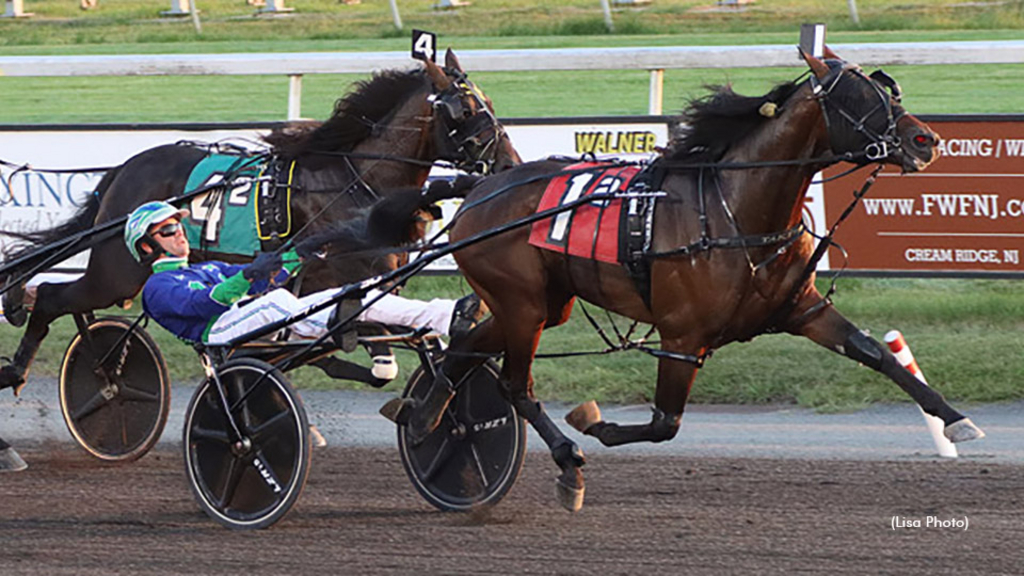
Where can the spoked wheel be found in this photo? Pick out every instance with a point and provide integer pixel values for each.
(116, 413)
(475, 455)
(254, 481)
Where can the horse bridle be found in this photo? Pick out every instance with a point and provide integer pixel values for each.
(464, 129)
(881, 144)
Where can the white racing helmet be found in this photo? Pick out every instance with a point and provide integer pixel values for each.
(140, 220)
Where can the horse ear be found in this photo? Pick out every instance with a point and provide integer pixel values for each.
(451, 62)
(437, 76)
(819, 68)
(830, 54)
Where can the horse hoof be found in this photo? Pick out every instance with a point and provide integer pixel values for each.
(962, 431)
(16, 317)
(317, 438)
(570, 497)
(401, 412)
(397, 410)
(10, 461)
(584, 416)
(10, 378)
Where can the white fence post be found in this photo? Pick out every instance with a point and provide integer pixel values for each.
(395, 15)
(294, 96)
(853, 11)
(607, 16)
(16, 9)
(178, 8)
(274, 7)
(656, 99)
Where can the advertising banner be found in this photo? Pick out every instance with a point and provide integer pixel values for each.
(964, 215)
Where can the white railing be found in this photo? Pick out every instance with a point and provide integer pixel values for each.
(654, 59)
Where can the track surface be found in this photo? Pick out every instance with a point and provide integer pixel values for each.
(69, 514)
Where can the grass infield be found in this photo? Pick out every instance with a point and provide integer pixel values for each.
(966, 334)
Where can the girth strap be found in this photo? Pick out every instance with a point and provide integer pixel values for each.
(636, 224)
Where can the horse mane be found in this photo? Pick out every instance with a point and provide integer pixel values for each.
(354, 118)
(718, 121)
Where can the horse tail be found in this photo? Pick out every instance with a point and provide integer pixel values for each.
(392, 220)
(83, 219)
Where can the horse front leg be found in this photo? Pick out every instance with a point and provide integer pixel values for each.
(675, 379)
(830, 329)
(93, 291)
(14, 373)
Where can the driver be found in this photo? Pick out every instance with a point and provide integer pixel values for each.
(206, 302)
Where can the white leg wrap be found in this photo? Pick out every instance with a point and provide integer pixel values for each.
(385, 367)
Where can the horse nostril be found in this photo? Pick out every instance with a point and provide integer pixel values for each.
(922, 140)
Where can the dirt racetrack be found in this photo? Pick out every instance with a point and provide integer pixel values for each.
(70, 514)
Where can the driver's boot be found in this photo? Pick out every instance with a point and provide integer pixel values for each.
(343, 333)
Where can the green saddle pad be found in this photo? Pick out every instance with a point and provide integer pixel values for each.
(223, 220)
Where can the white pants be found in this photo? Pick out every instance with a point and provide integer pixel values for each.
(280, 303)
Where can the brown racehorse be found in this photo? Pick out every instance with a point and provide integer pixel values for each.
(727, 261)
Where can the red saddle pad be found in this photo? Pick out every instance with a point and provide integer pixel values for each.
(590, 230)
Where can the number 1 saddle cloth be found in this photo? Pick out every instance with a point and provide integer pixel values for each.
(598, 230)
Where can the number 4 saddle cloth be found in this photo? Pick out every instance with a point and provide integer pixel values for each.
(607, 230)
(251, 212)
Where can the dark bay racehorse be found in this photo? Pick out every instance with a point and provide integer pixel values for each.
(728, 259)
(384, 135)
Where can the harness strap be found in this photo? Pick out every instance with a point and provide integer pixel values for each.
(747, 241)
(772, 324)
(273, 210)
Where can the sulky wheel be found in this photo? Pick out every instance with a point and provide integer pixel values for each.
(254, 481)
(116, 411)
(475, 455)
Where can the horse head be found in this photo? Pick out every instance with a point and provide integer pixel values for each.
(466, 131)
(864, 116)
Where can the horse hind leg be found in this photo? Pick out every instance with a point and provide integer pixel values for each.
(515, 327)
(830, 329)
(567, 455)
(522, 336)
(422, 417)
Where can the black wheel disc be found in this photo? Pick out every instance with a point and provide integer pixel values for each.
(475, 455)
(252, 485)
(117, 414)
